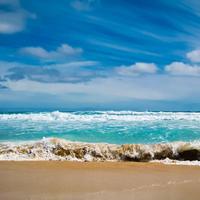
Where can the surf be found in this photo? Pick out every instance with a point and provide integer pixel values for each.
(60, 149)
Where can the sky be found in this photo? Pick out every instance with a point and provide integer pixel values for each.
(100, 54)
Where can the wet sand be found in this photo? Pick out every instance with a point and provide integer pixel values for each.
(97, 181)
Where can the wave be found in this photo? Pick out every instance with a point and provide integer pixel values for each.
(102, 116)
(60, 149)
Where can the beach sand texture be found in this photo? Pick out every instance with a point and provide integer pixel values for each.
(97, 180)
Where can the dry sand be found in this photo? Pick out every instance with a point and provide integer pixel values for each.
(110, 181)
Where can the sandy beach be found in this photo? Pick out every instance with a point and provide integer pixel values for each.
(103, 180)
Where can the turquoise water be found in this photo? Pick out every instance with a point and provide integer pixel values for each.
(98, 126)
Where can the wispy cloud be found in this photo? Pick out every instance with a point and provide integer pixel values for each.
(121, 48)
(14, 18)
(3, 87)
(84, 5)
(67, 72)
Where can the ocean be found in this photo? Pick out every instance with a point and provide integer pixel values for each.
(177, 132)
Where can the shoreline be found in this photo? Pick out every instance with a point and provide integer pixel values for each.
(97, 180)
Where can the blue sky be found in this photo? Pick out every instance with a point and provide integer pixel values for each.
(100, 54)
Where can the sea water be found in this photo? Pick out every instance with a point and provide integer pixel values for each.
(102, 126)
(155, 133)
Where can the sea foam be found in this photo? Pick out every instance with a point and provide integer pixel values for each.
(60, 149)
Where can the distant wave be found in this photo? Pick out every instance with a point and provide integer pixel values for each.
(60, 149)
(102, 116)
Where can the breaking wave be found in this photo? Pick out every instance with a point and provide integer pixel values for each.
(102, 116)
(60, 149)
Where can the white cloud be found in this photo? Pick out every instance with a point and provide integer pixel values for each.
(194, 56)
(111, 88)
(156, 87)
(182, 69)
(14, 19)
(137, 69)
(62, 52)
(83, 5)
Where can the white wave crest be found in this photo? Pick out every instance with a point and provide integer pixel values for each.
(102, 116)
(60, 149)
